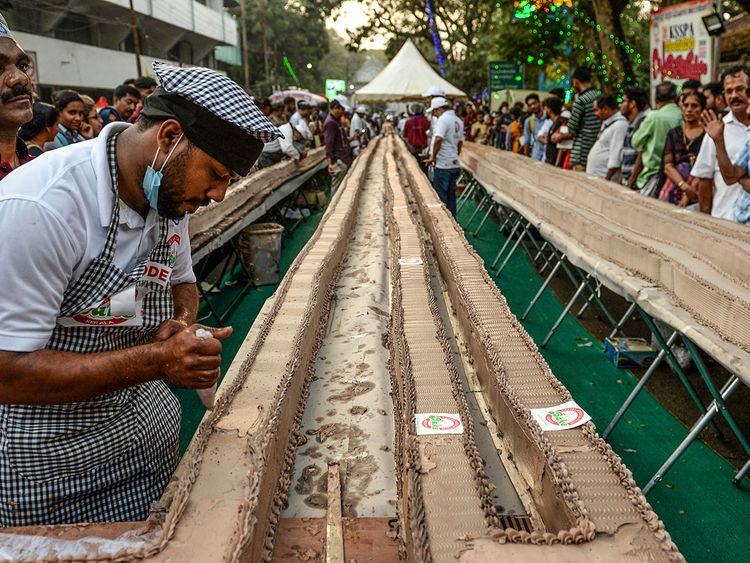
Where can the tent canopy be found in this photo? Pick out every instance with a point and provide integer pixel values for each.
(298, 95)
(406, 78)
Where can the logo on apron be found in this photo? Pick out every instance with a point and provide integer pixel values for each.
(121, 309)
(174, 245)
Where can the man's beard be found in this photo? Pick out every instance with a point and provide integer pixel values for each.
(172, 189)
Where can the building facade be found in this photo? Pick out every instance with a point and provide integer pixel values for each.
(88, 44)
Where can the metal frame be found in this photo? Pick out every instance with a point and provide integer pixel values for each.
(517, 228)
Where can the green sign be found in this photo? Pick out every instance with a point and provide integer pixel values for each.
(334, 86)
(505, 75)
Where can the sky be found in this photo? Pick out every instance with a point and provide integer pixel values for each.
(352, 15)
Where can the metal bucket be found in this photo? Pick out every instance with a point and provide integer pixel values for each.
(260, 245)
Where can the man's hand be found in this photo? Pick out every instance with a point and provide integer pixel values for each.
(190, 360)
(169, 328)
(556, 137)
(86, 131)
(303, 153)
(713, 125)
(429, 162)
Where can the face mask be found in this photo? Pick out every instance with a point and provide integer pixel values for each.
(152, 178)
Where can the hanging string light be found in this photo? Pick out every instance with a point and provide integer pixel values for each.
(436, 40)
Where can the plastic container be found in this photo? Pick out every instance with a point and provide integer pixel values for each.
(260, 245)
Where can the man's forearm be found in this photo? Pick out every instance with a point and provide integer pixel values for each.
(185, 297)
(729, 171)
(705, 195)
(54, 377)
(611, 172)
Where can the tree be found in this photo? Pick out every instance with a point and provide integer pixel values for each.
(292, 30)
(459, 25)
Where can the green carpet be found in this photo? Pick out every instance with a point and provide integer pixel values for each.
(241, 319)
(707, 516)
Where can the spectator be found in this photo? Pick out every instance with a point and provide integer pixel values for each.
(605, 156)
(564, 147)
(415, 131)
(448, 141)
(323, 111)
(289, 145)
(500, 129)
(300, 118)
(92, 122)
(531, 127)
(558, 93)
(290, 106)
(264, 105)
(145, 85)
(514, 134)
(41, 129)
(338, 152)
(125, 100)
(732, 172)
(651, 135)
(681, 149)
(634, 107)
(715, 102)
(553, 108)
(71, 108)
(277, 114)
(479, 128)
(583, 126)
(15, 103)
(469, 116)
(358, 129)
(689, 86)
(715, 196)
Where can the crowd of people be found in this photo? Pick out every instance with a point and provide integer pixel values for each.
(690, 148)
(344, 132)
(73, 117)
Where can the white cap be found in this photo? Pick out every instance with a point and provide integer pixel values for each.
(438, 102)
(4, 31)
(433, 91)
(361, 109)
(343, 101)
(566, 114)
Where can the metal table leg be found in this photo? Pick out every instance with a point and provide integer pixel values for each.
(547, 280)
(742, 473)
(730, 387)
(623, 320)
(639, 387)
(559, 320)
(507, 241)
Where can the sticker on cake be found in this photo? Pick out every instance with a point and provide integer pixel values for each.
(562, 417)
(438, 423)
(410, 261)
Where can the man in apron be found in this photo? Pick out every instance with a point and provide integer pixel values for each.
(99, 301)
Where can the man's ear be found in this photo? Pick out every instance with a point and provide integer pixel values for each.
(168, 134)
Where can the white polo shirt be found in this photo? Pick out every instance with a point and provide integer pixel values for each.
(54, 216)
(607, 150)
(451, 129)
(736, 134)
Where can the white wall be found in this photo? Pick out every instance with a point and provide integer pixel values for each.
(63, 63)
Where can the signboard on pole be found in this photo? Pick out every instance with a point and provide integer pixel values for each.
(505, 75)
(334, 86)
(680, 45)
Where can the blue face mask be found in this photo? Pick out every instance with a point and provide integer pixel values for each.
(152, 178)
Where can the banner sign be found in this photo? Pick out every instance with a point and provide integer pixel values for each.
(680, 45)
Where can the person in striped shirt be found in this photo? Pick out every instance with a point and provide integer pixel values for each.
(583, 126)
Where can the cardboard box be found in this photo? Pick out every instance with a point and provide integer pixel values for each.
(629, 352)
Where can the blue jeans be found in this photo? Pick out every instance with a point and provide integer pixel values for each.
(444, 181)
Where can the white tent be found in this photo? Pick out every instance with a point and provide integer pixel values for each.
(406, 78)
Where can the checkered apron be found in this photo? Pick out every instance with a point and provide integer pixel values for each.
(107, 458)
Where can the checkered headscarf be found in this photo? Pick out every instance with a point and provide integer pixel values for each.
(218, 94)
